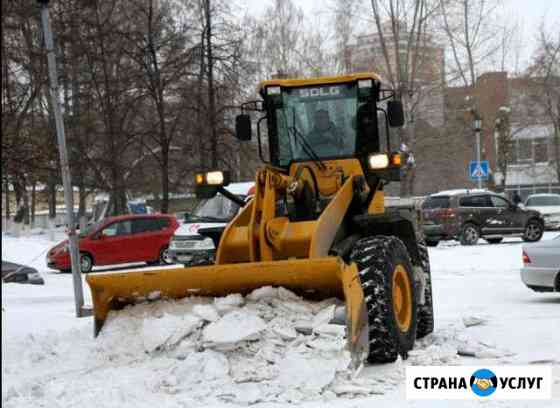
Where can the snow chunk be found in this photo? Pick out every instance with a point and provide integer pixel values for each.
(333, 330)
(470, 321)
(283, 328)
(324, 316)
(169, 329)
(205, 366)
(233, 328)
(228, 303)
(155, 295)
(206, 312)
(306, 373)
(266, 292)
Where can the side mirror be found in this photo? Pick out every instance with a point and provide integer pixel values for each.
(395, 113)
(187, 217)
(243, 129)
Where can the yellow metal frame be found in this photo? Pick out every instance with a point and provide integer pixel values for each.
(292, 82)
(258, 248)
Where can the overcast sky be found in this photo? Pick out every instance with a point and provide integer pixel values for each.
(531, 12)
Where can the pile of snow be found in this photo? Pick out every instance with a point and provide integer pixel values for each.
(236, 349)
(270, 346)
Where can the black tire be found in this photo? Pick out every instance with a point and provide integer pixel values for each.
(494, 240)
(65, 270)
(470, 234)
(534, 231)
(164, 258)
(425, 311)
(377, 259)
(86, 262)
(431, 243)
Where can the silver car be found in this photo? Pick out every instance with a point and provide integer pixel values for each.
(541, 265)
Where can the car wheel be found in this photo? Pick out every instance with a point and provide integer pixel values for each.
(86, 263)
(469, 234)
(494, 240)
(533, 231)
(164, 257)
(432, 243)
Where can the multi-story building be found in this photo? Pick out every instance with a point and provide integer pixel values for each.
(532, 159)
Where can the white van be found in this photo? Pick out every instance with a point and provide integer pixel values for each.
(195, 241)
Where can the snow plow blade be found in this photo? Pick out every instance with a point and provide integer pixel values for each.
(310, 278)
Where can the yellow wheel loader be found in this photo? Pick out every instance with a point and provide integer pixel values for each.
(317, 223)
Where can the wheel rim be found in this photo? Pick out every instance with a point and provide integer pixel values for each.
(402, 298)
(165, 256)
(533, 231)
(85, 263)
(471, 234)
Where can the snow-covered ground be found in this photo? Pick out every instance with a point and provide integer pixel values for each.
(238, 351)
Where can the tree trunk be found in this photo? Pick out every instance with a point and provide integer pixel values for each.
(82, 197)
(51, 197)
(7, 198)
(557, 148)
(25, 205)
(165, 183)
(33, 202)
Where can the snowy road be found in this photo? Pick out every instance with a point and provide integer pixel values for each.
(50, 359)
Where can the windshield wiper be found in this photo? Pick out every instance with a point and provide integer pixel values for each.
(303, 142)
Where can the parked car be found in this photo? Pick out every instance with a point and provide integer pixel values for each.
(541, 265)
(16, 273)
(549, 206)
(196, 240)
(468, 215)
(116, 240)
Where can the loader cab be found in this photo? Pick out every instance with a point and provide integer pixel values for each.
(324, 118)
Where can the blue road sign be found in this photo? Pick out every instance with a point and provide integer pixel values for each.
(479, 170)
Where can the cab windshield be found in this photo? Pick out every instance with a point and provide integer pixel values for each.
(316, 121)
(217, 209)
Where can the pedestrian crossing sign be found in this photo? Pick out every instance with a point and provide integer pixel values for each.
(479, 170)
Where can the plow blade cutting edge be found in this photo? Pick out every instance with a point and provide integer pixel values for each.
(315, 279)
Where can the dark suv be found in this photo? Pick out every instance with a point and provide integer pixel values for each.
(469, 215)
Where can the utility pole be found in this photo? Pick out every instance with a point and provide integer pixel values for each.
(81, 311)
(477, 129)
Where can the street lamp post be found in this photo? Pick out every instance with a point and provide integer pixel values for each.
(477, 125)
(81, 311)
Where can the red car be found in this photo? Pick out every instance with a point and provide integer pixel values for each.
(115, 240)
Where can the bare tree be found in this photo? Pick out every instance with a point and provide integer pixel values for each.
(546, 71)
(402, 31)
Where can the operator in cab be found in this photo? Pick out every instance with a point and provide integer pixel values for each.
(325, 137)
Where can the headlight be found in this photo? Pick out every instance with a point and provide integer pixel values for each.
(206, 243)
(378, 161)
(215, 178)
(212, 178)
